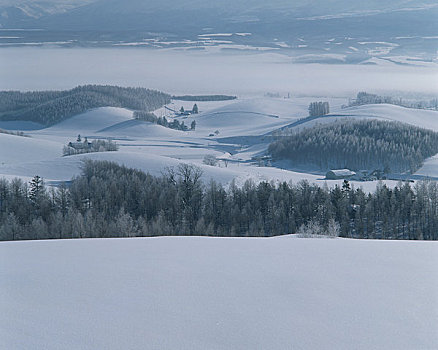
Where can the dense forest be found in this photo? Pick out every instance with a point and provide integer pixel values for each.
(358, 145)
(109, 200)
(50, 107)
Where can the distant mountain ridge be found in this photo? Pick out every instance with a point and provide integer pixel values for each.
(276, 24)
(117, 14)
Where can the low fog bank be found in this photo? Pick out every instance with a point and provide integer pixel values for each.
(176, 72)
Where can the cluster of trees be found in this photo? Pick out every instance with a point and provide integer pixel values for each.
(364, 98)
(358, 145)
(152, 118)
(204, 98)
(109, 200)
(317, 109)
(50, 107)
(194, 110)
(81, 147)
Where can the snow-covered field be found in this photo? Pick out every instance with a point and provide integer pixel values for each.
(241, 125)
(218, 293)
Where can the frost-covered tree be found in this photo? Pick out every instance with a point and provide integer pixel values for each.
(109, 200)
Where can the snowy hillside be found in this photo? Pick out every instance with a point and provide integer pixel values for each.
(92, 121)
(422, 118)
(235, 130)
(215, 293)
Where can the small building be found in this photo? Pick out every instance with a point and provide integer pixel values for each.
(339, 174)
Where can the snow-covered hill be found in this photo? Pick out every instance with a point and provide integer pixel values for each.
(238, 130)
(91, 121)
(418, 117)
(218, 293)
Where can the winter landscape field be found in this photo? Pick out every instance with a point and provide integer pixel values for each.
(218, 293)
(218, 175)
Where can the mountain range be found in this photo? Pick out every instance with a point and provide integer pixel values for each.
(116, 21)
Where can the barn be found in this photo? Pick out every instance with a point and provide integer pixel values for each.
(339, 174)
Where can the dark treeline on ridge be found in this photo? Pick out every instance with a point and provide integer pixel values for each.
(204, 98)
(51, 107)
(357, 145)
(109, 200)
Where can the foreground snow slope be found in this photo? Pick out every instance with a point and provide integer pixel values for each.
(214, 293)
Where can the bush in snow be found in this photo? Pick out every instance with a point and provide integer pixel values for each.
(210, 159)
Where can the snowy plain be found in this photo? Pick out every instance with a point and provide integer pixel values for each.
(218, 293)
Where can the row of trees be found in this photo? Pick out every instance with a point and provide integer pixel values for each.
(364, 98)
(317, 109)
(81, 147)
(357, 145)
(109, 200)
(14, 133)
(174, 124)
(50, 107)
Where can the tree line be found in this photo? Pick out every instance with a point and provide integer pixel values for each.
(13, 133)
(358, 145)
(204, 98)
(364, 98)
(51, 107)
(109, 200)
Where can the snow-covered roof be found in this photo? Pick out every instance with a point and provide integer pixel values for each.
(343, 172)
(225, 156)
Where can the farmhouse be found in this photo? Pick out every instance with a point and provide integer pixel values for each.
(339, 174)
